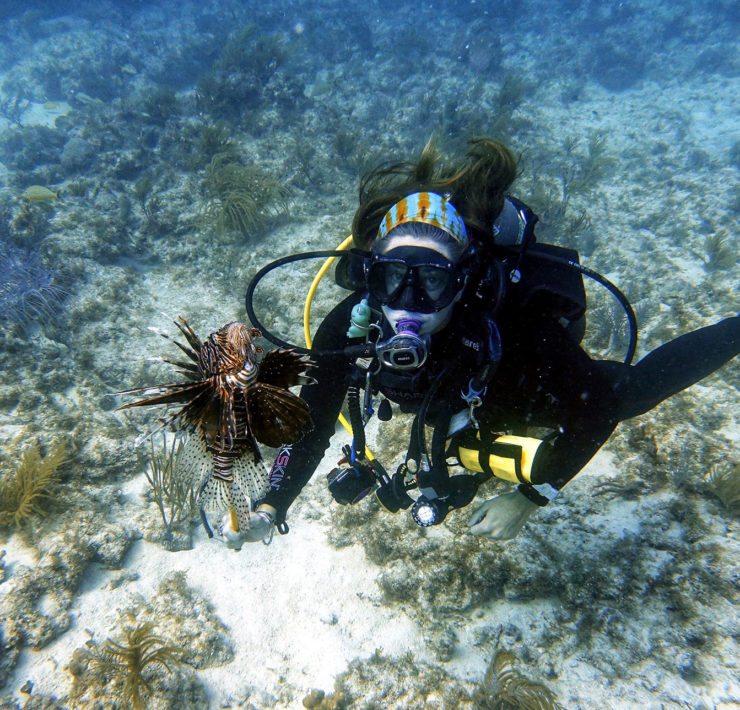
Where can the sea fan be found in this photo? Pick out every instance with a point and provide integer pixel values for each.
(27, 487)
(241, 198)
(724, 478)
(27, 291)
(505, 688)
(128, 661)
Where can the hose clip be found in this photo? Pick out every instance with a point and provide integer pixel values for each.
(473, 398)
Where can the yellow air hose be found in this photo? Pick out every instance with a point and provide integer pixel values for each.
(307, 321)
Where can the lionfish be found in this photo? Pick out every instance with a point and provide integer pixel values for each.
(230, 401)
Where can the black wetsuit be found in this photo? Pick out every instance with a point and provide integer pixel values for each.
(544, 379)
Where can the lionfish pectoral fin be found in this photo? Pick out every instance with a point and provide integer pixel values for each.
(194, 462)
(285, 368)
(251, 482)
(277, 416)
(232, 501)
(213, 497)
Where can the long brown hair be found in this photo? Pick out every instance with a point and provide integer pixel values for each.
(477, 185)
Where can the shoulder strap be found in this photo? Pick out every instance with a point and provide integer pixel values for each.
(555, 287)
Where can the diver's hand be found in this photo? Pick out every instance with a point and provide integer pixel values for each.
(502, 517)
(259, 527)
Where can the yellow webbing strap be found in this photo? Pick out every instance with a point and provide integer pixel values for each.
(503, 466)
(307, 322)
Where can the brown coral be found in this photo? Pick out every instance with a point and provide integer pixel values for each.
(512, 690)
(127, 661)
(25, 490)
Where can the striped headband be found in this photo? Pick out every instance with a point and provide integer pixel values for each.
(429, 208)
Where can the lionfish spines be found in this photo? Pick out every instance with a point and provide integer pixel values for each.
(193, 340)
(233, 399)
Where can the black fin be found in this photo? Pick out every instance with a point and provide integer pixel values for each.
(277, 416)
(285, 368)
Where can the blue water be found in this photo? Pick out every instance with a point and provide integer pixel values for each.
(120, 108)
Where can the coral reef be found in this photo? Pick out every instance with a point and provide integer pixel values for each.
(244, 74)
(129, 663)
(36, 600)
(240, 198)
(117, 672)
(380, 681)
(192, 623)
(25, 490)
(161, 130)
(174, 495)
(31, 150)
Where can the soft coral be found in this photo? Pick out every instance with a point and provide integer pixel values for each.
(27, 291)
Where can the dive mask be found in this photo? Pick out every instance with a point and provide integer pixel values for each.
(414, 279)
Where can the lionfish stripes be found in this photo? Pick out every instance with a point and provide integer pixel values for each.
(229, 401)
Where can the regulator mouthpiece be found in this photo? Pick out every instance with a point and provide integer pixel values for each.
(406, 350)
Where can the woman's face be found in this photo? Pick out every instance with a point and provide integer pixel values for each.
(408, 240)
(430, 279)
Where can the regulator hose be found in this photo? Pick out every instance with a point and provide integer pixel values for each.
(366, 350)
(609, 286)
(363, 350)
(355, 418)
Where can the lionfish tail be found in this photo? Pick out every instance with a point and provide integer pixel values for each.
(236, 497)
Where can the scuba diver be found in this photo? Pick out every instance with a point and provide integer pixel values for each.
(461, 318)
